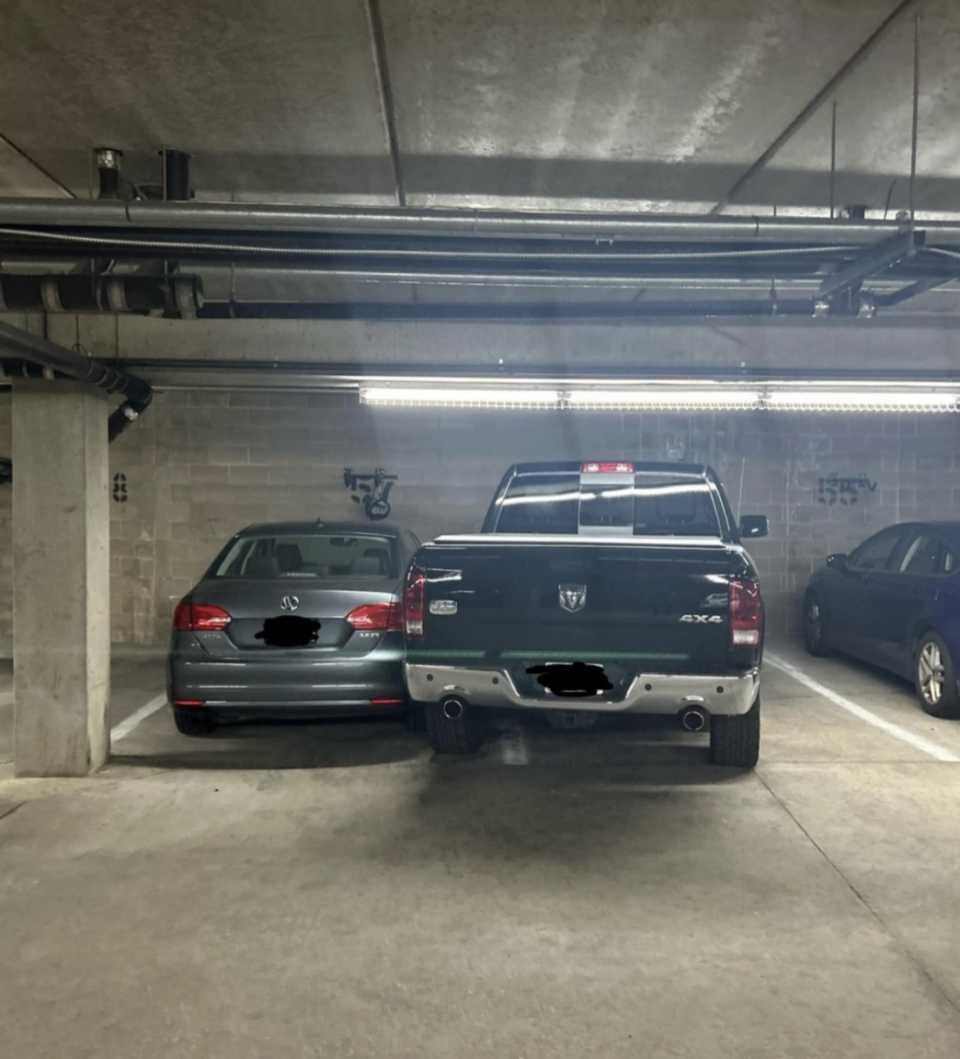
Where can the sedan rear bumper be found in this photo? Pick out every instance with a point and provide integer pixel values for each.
(649, 693)
(369, 684)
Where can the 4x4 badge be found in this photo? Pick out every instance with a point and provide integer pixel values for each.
(573, 597)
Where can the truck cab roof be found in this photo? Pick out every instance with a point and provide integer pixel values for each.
(693, 470)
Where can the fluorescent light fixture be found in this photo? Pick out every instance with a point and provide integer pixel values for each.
(461, 396)
(860, 400)
(671, 398)
(813, 395)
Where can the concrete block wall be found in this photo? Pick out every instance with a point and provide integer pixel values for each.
(199, 466)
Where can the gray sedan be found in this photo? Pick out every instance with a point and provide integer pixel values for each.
(293, 619)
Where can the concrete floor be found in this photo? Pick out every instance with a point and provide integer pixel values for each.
(334, 890)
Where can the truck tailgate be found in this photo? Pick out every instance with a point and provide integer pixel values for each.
(662, 605)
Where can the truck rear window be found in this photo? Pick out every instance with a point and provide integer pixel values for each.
(654, 505)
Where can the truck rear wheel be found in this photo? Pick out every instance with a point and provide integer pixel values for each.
(455, 727)
(735, 741)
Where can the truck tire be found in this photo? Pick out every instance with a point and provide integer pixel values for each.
(194, 721)
(735, 741)
(463, 734)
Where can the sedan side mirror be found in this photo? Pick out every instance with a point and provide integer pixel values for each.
(754, 526)
(838, 562)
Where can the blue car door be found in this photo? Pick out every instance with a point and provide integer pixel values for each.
(901, 596)
(850, 598)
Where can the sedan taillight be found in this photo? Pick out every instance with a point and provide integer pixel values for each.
(376, 617)
(746, 614)
(200, 617)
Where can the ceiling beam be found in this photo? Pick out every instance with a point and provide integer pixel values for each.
(34, 164)
(852, 64)
(385, 89)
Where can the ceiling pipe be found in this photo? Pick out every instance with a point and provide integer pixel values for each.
(601, 228)
(109, 162)
(344, 375)
(176, 175)
(176, 296)
(36, 350)
(548, 311)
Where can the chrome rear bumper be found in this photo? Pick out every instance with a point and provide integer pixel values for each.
(657, 693)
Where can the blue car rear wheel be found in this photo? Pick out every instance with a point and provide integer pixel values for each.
(936, 679)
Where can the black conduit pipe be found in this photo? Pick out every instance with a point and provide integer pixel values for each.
(176, 175)
(66, 362)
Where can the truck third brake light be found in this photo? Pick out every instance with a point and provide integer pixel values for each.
(607, 468)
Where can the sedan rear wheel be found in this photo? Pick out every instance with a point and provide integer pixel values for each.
(194, 721)
(936, 680)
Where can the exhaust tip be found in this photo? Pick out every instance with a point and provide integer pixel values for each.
(693, 720)
(453, 709)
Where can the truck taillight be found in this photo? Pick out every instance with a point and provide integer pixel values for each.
(200, 617)
(376, 617)
(413, 603)
(746, 614)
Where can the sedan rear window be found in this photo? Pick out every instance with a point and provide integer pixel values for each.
(313, 556)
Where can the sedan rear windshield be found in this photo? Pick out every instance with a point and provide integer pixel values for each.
(653, 505)
(313, 556)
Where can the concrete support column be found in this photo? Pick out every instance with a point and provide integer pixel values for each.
(61, 578)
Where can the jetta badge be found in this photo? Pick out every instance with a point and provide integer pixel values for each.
(573, 597)
(289, 603)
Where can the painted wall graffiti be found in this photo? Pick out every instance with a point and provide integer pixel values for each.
(371, 491)
(835, 489)
(120, 495)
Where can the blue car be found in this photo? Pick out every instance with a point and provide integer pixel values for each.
(895, 602)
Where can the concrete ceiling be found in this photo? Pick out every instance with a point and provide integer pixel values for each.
(653, 104)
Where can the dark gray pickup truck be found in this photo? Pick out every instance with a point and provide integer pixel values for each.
(593, 588)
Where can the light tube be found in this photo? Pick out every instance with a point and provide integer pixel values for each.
(461, 396)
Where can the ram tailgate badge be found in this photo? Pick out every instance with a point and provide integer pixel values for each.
(573, 597)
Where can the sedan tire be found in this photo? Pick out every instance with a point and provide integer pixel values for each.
(194, 721)
(415, 721)
(815, 628)
(935, 677)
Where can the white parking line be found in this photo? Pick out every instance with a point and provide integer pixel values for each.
(918, 742)
(124, 728)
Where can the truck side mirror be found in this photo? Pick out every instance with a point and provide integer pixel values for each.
(754, 526)
(839, 562)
